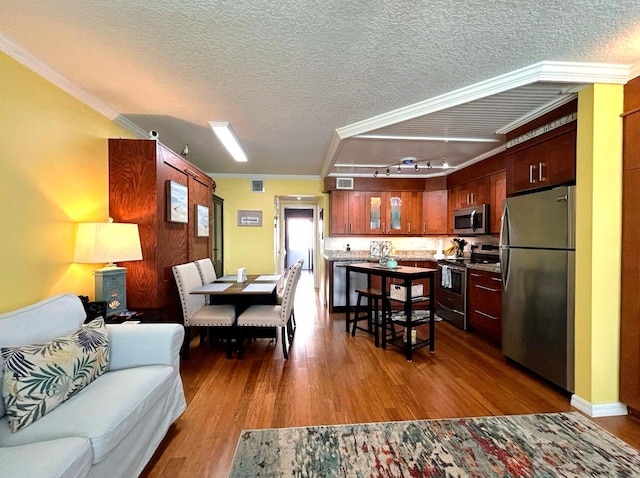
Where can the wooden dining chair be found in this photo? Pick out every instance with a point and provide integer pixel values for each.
(195, 311)
(277, 315)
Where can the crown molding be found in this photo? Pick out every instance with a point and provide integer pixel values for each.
(551, 71)
(258, 177)
(35, 64)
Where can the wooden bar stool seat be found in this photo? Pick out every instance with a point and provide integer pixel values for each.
(371, 315)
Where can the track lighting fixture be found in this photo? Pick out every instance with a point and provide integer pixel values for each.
(416, 167)
(375, 175)
(388, 172)
(411, 161)
(399, 169)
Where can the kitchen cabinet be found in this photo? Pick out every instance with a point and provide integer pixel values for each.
(348, 213)
(434, 207)
(472, 193)
(549, 161)
(484, 303)
(630, 277)
(498, 195)
(394, 213)
(139, 171)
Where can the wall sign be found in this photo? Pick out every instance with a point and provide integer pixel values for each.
(250, 218)
(542, 130)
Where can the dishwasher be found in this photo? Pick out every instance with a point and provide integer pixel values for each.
(358, 280)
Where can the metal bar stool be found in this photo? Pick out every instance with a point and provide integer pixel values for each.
(374, 296)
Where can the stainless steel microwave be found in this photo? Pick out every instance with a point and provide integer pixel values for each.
(471, 221)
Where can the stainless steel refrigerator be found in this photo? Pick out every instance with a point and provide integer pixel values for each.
(537, 256)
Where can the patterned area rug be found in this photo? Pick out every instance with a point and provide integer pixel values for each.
(542, 445)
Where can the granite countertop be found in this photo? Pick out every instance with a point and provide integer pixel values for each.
(420, 255)
(366, 256)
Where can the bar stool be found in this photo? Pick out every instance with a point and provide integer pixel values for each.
(374, 296)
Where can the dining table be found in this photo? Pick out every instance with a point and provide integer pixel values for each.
(257, 289)
(406, 275)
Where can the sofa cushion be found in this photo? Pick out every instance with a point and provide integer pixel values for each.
(39, 377)
(53, 317)
(64, 458)
(106, 411)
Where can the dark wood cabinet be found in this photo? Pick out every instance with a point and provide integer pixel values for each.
(546, 161)
(630, 285)
(484, 303)
(348, 214)
(394, 212)
(434, 210)
(138, 174)
(498, 194)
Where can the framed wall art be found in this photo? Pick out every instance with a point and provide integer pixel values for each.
(202, 221)
(177, 202)
(250, 218)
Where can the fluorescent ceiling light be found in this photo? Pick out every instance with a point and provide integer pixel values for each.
(427, 138)
(228, 138)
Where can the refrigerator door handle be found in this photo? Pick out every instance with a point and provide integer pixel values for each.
(504, 244)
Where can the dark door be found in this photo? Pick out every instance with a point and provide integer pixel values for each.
(217, 253)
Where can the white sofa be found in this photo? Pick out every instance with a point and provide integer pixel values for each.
(112, 427)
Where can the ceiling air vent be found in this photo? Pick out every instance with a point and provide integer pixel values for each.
(257, 186)
(344, 183)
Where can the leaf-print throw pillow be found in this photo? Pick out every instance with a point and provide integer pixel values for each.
(39, 377)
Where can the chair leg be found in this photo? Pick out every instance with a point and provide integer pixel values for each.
(284, 343)
(203, 332)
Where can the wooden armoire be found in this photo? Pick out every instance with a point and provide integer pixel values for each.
(630, 297)
(139, 171)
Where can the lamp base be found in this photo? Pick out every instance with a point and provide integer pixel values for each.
(111, 288)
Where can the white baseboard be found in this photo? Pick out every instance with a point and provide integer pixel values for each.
(598, 409)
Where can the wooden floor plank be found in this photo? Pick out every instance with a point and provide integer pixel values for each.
(333, 378)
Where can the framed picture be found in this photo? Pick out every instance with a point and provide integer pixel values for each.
(202, 221)
(177, 202)
(250, 218)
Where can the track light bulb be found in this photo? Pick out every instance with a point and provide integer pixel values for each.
(375, 175)
(416, 167)
(388, 172)
(399, 170)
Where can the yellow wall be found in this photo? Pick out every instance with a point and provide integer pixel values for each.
(598, 240)
(253, 247)
(53, 174)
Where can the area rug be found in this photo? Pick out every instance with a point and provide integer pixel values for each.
(540, 445)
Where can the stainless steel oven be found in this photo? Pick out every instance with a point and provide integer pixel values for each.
(451, 293)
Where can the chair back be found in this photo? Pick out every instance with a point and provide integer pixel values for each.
(206, 270)
(188, 278)
(289, 291)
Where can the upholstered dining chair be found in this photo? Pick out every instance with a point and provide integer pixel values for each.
(280, 293)
(195, 311)
(206, 270)
(278, 316)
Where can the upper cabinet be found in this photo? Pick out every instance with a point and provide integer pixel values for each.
(348, 213)
(434, 212)
(498, 194)
(394, 212)
(471, 194)
(545, 163)
(543, 152)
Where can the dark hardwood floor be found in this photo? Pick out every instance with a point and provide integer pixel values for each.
(333, 378)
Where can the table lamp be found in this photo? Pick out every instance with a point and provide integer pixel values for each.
(109, 242)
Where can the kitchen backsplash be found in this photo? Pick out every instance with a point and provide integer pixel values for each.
(397, 243)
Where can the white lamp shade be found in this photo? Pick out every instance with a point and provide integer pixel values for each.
(107, 242)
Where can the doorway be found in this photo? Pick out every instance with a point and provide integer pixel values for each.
(298, 237)
(217, 245)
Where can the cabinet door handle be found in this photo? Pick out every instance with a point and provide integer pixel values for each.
(541, 177)
(486, 288)
(532, 168)
(408, 227)
(486, 315)
(497, 279)
(473, 274)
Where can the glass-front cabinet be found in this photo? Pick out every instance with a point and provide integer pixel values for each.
(394, 212)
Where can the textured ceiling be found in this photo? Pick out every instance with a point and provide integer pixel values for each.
(289, 74)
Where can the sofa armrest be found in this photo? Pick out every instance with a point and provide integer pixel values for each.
(137, 345)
